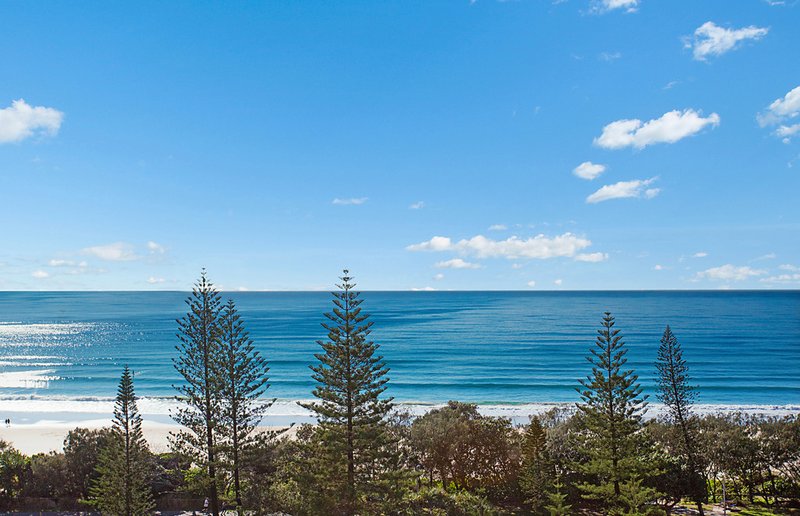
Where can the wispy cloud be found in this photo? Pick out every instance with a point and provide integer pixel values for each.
(730, 272)
(415, 206)
(155, 248)
(669, 128)
(609, 57)
(625, 189)
(116, 252)
(40, 274)
(540, 246)
(712, 40)
(57, 262)
(353, 201)
(532, 283)
(700, 254)
(588, 170)
(155, 281)
(591, 257)
(498, 227)
(21, 120)
(768, 256)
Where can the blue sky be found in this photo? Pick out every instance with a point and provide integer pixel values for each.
(424, 145)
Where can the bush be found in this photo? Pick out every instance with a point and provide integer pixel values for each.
(438, 501)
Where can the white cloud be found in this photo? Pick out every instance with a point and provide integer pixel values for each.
(768, 256)
(789, 267)
(651, 192)
(439, 277)
(700, 254)
(437, 243)
(353, 201)
(498, 227)
(592, 257)
(56, 262)
(417, 205)
(540, 246)
(624, 189)
(610, 5)
(658, 267)
(21, 120)
(154, 281)
(116, 252)
(780, 112)
(669, 128)
(558, 282)
(155, 248)
(588, 170)
(783, 278)
(422, 289)
(516, 266)
(531, 283)
(712, 40)
(783, 108)
(609, 56)
(730, 272)
(786, 132)
(40, 274)
(457, 263)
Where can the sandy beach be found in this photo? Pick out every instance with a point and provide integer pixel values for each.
(48, 435)
(43, 430)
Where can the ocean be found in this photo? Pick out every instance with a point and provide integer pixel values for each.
(62, 352)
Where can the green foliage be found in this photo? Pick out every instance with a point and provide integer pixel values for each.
(457, 446)
(47, 476)
(678, 396)
(201, 411)
(612, 409)
(242, 372)
(536, 476)
(355, 456)
(82, 448)
(636, 500)
(124, 467)
(13, 466)
(557, 499)
(436, 501)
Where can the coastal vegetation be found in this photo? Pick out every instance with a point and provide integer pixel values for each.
(366, 456)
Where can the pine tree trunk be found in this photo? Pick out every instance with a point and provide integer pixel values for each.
(351, 474)
(236, 488)
(212, 469)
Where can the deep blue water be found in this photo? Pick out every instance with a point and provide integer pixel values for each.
(489, 347)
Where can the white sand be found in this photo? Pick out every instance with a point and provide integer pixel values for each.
(47, 436)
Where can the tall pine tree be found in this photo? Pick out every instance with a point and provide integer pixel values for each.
(243, 374)
(200, 411)
(123, 483)
(612, 409)
(678, 397)
(536, 474)
(351, 411)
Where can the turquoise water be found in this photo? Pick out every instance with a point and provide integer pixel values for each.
(485, 347)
